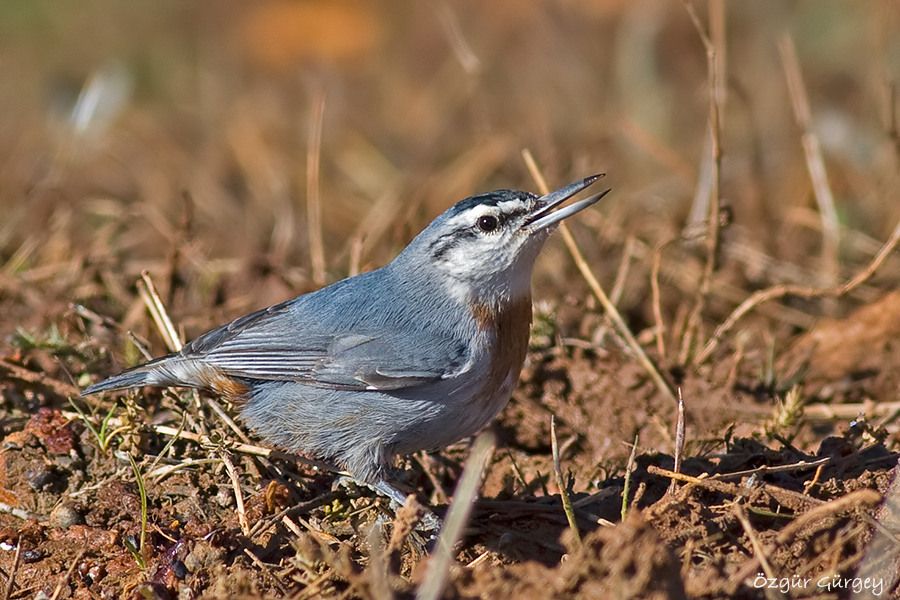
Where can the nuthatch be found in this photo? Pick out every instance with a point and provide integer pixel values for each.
(415, 355)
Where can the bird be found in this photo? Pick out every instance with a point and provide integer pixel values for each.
(415, 355)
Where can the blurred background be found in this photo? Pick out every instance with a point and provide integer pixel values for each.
(246, 152)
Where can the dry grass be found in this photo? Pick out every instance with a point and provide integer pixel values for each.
(166, 168)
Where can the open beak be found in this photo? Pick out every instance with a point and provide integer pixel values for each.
(544, 216)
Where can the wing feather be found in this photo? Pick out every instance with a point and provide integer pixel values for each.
(276, 344)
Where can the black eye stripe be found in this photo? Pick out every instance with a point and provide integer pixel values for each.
(442, 245)
(448, 241)
(503, 217)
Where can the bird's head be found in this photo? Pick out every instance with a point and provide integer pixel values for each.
(485, 246)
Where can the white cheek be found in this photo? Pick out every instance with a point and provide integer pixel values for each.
(481, 271)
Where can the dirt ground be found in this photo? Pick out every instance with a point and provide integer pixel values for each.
(234, 155)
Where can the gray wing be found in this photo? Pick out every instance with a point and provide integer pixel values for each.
(273, 344)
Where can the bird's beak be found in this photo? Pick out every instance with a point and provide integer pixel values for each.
(544, 216)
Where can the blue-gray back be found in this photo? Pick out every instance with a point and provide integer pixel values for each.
(388, 329)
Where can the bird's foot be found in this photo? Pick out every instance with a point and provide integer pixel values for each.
(429, 523)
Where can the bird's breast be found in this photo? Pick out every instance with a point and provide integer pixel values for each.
(507, 328)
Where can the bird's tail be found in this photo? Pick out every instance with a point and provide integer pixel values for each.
(157, 372)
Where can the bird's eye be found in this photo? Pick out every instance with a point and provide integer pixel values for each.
(487, 223)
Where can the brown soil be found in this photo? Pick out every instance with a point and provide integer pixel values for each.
(792, 427)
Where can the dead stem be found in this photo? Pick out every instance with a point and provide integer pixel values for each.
(238, 494)
(65, 578)
(822, 411)
(462, 50)
(815, 163)
(158, 312)
(618, 288)
(463, 498)
(561, 483)
(679, 437)
(250, 449)
(265, 569)
(783, 290)
(313, 201)
(27, 375)
(713, 224)
(17, 559)
(659, 328)
(608, 307)
(787, 498)
(626, 488)
(758, 551)
(797, 466)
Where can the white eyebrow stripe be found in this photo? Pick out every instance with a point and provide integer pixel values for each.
(470, 216)
(511, 206)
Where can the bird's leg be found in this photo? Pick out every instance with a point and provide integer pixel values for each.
(431, 523)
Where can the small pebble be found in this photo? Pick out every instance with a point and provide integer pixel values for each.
(31, 556)
(39, 478)
(179, 569)
(225, 497)
(64, 516)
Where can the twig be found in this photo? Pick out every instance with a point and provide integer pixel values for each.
(782, 290)
(65, 578)
(626, 488)
(560, 482)
(851, 410)
(265, 569)
(263, 525)
(140, 344)
(238, 494)
(242, 448)
(679, 437)
(784, 497)
(440, 494)
(659, 325)
(27, 375)
(758, 551)
(158, 474)
(713, 224)
(609, 308)
(815, 163)
(615, 294)
(220, 412)
(797, 466)
(463, 498)
(158, 311)
(809, 485)
(12, 573)
(517, 472)
(313, 201)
